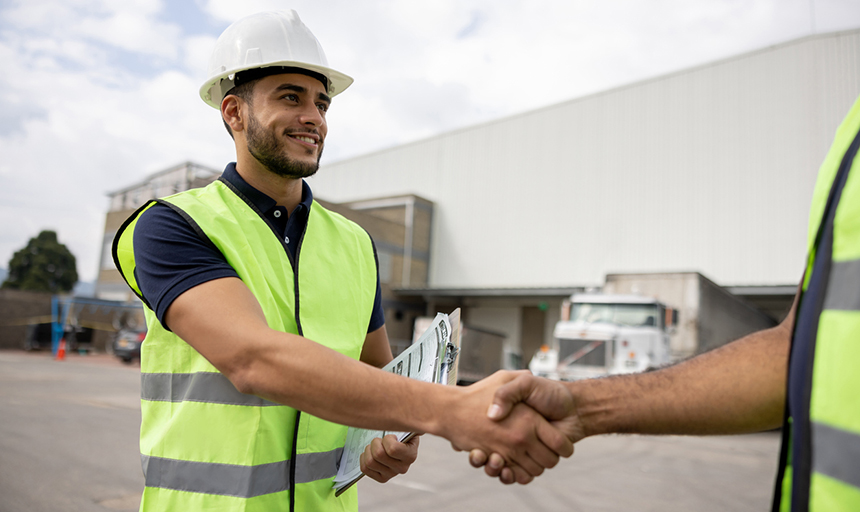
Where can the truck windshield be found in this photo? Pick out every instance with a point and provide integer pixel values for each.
(633, 315)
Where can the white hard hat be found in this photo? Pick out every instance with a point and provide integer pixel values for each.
(263, 40)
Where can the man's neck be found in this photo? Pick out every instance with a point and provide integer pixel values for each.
(287, 192)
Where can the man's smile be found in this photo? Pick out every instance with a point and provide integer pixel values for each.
(309, 139)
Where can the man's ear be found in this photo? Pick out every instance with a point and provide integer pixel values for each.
(231, 111)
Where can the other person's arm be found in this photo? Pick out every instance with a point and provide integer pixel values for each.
(737, 388)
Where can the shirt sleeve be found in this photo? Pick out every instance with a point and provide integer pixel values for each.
(171, 258)
(377, 316)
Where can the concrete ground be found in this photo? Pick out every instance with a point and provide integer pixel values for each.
(69, 441)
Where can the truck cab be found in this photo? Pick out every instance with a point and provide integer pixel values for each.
(602, 334)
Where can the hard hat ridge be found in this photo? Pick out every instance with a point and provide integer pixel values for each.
(277, 40)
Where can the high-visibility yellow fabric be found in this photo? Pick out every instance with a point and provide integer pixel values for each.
(330, 302)
(835, 403)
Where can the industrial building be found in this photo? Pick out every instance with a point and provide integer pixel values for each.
(124, 202)
(706, 172)
(709, 170)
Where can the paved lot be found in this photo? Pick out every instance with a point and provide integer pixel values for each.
(68, 434)
(68, 441)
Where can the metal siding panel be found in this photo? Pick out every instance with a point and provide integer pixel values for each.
(709, 169)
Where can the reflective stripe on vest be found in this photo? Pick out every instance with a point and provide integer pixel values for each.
(206, 387)
(843, 289)
(204, 445)
(820, 463)
(236, 480)
(836, 453)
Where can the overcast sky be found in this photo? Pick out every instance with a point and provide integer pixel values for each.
(97, 94)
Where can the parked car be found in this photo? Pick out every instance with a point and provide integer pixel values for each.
(126, 344)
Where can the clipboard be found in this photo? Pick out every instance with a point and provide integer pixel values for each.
(431, 358)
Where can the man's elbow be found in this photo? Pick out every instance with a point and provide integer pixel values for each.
(242, 374)
(244, 383)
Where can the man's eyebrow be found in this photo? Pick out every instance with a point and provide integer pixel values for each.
(299, 89)
(290, 87)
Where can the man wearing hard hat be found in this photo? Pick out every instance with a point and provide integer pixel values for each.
(263, 307)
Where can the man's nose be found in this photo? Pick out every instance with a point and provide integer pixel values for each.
(312, 115)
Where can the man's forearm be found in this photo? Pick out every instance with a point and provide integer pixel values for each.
(352, 393)
(295, 371)
(737, 388)
(225, 324)
(324, 383)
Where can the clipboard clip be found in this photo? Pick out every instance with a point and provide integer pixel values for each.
(451, 353)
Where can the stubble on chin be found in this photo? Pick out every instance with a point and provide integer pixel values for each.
(267, 149)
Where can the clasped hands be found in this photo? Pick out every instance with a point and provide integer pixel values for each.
(543, 415)
(529, 425)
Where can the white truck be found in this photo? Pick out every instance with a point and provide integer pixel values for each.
(602, 334)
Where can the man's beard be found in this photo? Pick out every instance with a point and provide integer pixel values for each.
(269, 151)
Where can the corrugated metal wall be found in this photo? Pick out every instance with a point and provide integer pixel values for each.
(710, 169)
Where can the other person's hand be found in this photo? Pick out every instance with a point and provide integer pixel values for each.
(550, 398)
(523, 439)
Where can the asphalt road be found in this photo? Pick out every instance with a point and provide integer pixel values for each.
(69, 434)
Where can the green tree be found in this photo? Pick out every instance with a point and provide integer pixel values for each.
(45, 265)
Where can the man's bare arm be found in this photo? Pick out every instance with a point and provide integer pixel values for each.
(737, 388)
(376, 350)
(223, 321)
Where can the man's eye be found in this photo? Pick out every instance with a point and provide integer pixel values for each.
(323, 107)
(291, 97)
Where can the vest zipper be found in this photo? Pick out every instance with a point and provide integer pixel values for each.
(301, 333)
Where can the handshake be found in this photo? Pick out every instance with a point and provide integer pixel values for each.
(530, 423)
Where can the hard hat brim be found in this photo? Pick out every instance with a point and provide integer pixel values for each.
(213, 91)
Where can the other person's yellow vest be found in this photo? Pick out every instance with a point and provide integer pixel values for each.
(820, 461)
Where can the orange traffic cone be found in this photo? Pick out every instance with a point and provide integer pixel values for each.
(61, 352)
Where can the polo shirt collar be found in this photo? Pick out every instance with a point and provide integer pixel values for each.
(263, 202)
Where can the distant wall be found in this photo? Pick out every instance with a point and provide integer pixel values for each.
(647, 177)
(96, 322)
(18, 309)
(725, 317)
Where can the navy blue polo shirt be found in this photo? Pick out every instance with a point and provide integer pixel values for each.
(170, 258)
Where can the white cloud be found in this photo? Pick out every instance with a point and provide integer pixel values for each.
(85, 125)
(231, 11)
(133, 32)
(833, 15)
(196, 55)
(131, 25)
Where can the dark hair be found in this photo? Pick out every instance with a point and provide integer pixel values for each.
(243, 91)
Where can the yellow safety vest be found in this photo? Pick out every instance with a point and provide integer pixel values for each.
(204, 445)
(820, 460)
